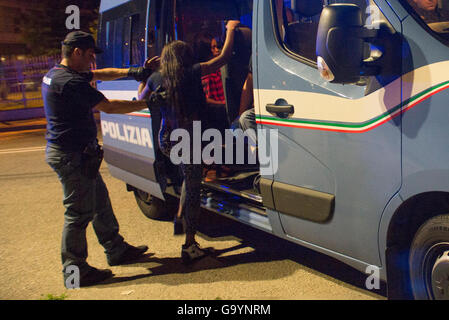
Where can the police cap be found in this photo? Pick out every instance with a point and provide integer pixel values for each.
(81, 39)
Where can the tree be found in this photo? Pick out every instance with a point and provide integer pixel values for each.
(44, 26)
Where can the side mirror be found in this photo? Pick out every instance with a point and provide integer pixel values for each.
(340, 46)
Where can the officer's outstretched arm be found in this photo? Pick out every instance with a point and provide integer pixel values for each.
(109, 74)
(120, 106)
(141, 74)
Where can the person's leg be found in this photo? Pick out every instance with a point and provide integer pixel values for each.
(105, 223)
(78, 200)
(165, 146)
(182, 200)
(178, 220)
(191, 250)
(247, 122)
(107, 229)
(192, 182)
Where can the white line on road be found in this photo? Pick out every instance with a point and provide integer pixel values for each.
(22, 150)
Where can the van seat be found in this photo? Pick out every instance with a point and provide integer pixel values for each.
(300, 35)
(298, 38)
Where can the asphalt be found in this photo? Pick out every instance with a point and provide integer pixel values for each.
(30, 124)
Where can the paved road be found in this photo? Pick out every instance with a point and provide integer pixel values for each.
(252, 264)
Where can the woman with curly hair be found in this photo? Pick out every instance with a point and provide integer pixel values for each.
(181, 78)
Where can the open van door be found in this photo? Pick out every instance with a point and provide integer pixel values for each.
(131, 31)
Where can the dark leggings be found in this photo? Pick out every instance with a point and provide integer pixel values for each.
(191, 186)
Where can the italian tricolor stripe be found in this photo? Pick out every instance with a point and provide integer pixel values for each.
(145, 114)
(355, 127)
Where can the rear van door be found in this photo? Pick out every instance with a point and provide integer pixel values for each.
(339, 146)
(130, 31)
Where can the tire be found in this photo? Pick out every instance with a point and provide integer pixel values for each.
(429, 260)
(155, 208)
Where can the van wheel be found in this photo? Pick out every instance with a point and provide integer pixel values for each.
(429, 260)
(155, 208)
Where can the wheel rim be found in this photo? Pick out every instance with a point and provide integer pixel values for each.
(440, 277)
(436, 271)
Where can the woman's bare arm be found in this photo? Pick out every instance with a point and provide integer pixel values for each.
(217, 62)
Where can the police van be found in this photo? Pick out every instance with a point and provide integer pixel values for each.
(356, 95)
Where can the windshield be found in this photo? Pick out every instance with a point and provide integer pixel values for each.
(434, 13)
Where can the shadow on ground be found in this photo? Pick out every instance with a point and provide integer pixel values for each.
(263, 248)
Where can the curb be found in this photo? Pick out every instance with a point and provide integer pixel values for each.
(21, 128)
(22, 114)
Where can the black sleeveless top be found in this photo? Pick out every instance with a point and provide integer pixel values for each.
(194, 107)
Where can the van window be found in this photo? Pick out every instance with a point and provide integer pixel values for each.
(123, 43)
(196, 16)
(434, 13)
(132, 43)
(122, 35)
(154, 28)
(297, 32)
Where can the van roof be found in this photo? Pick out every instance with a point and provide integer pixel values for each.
(109, 4)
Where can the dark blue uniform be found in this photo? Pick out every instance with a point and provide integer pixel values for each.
(68, 102)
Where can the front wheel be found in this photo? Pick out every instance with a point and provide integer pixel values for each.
(155, 208)
(429, 260)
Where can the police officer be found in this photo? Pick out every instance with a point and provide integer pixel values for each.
(73, 153)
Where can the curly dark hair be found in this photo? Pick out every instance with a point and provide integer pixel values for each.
(177, 60)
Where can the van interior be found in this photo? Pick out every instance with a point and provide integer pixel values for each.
(122, 36)
(227, 184)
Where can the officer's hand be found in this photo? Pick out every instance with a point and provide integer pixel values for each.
(141, 74)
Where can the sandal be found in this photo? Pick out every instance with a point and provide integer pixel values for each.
(194, 252)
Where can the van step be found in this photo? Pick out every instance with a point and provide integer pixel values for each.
(251, 195)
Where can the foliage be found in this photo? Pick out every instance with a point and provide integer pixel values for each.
(44, 26)
(51, 296)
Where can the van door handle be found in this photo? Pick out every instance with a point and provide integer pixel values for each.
(281, 108)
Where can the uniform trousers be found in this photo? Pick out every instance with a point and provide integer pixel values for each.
(85, 200)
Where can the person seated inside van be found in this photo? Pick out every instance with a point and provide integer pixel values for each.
(206, 48)
(435, 13)
(430, 11)
(247, 116)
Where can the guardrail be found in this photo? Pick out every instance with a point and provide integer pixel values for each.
(20, 82)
